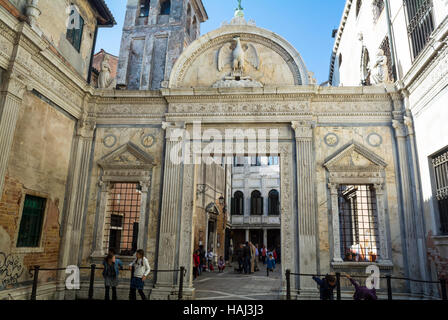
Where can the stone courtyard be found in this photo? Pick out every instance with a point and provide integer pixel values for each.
(232, 285)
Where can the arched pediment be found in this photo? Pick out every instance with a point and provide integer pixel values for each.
(269, 60)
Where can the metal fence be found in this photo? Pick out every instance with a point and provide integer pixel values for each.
(93, 268)
(389, 278)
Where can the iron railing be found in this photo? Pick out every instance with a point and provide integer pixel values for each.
(389, 278)
(93, 268)
(420, 23)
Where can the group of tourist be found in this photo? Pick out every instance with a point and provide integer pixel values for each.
(204, 262)
(140, 270)
(328, 284)
(249, 256)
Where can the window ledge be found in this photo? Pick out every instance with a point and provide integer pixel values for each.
(26, 250)
(383, 265)
(440, 240)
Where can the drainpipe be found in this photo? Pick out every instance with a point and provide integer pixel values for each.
(391, 42)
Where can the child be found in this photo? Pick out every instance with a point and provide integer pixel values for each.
(362, 292)
(141, 271)
(326, 286)
(111, 269)
(221, 264)
(270, 263)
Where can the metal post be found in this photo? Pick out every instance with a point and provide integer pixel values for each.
(389, 287)
(288, 284)
(338, 286)
(181, 282)
(443, 287)
(92, 280)
(35, 280)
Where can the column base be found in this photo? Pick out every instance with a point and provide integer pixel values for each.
(160, 292)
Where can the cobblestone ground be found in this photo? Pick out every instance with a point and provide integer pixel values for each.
(231, 285)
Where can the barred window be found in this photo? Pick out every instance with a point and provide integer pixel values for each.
(385, 46)
(378, 7)
(420, 23)
(440, 165)
(31, 223)
(358, 223)
(122, 219)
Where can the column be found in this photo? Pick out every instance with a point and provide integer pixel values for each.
(171, 207)
(10, 102)
(306, 200)
(382, 227)
(77, 193)
(410, 229)
(247, 235)
(335, 222)
(99, 238)
(265, 237)
(141, 242)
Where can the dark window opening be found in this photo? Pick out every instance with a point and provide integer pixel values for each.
(274, 203)
(238, 204)
(255, 161)
(378, 7)
(358, 223)
(144, 8)
(75, 30)
(385, 46)
(358, 7)
(440, 167)
(165, 8)
(256, 203)
(31, 223)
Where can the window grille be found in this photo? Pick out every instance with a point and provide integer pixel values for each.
(358, 223)
(31, 223)
(123, 214)
(440, 165)
(420, 23)
(385, 46)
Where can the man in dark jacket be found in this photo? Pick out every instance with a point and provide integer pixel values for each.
(247, 256)
(326, 287)
(240, 256)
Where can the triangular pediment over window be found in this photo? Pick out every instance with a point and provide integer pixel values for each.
(354, 157)
(128, 156)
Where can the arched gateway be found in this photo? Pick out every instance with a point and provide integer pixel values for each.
(343, 159)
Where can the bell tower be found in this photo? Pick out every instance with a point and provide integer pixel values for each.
(155, 33)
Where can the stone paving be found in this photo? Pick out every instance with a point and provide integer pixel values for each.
(231, 285)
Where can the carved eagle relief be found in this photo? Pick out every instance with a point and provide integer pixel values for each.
(237, 55)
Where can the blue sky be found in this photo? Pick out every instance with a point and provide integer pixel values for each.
(306, 24)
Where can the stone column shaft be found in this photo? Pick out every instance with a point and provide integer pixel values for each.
(306, 181)
(335, 222)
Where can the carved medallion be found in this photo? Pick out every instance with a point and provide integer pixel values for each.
(109, 141)
(374, 139)
(331, 140)
(148, 140)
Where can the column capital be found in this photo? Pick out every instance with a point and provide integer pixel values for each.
(145, 185)
(173, 129)
(379, 188)
(333, 187)
(409, 124)
(303, 129)
(16, 86)
(86, 126)
(400, 128)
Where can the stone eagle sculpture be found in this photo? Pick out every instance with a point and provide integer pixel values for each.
(237, 55)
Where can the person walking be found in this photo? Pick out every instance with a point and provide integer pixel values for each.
(141, 271)
(264, 254)
(196, 263)
(362, 292)
(270, 263)
(326, 286)
(112, 266)
(247, 257)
